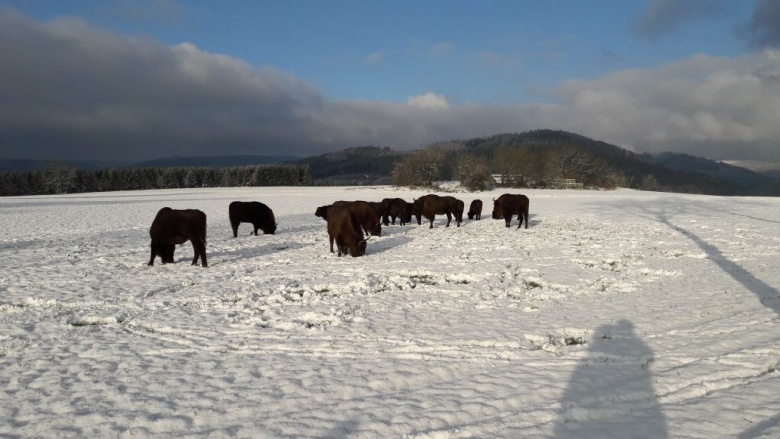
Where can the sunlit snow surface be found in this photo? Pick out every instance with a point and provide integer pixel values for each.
(615, 314)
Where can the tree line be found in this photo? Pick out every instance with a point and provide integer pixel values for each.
(513, 167)
(61, 178)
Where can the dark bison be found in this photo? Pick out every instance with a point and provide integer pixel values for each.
(459, 207)
(380, 209)
(322, 212)
(171, 227)
(406, 216)
(429, 205)
(344, 228)
(511, 204)
(475, 210)
(254, 212)
(366, 214)
(394, 208)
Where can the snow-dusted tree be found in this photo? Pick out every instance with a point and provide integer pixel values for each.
(473, 173)
(58, 177)
(419, 169)
(571, 163)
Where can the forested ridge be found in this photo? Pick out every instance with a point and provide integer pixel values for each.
(535, 158)
(61, 178)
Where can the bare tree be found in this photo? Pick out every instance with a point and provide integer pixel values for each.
(419, 169)
(571, 163)
(473, 173)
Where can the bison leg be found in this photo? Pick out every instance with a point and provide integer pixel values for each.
(167, 250)
(523, 215)
(199, 247)
(154, 254)
(234, 226)
(508, 219)
(449, 219)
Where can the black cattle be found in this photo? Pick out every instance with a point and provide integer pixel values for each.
(254, 212)
(406, 216)
(458, 210)
(345, 229)
(380, 210)
(429, 205)
(171, 227)
(475, 210)
(394, 208)
(511, 204)
(322, 212)
(366, 214)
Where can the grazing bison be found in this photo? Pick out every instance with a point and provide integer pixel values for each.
(380, 210)
(254, 212)
(459, 207)
(322, 212)
(394, 208)
(406, 216)
(475, 210)
(511, 204)
(344, 228)
(171, 227)
(429, 205)
(366, 214)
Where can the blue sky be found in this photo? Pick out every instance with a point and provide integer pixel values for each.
(396, 73)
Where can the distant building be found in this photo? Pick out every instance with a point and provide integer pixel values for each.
(508, 179)
(566, 183)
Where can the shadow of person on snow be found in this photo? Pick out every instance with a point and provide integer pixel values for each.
(767, 295)
(611, 394)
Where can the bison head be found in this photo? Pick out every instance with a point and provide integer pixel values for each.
(270, 229)
(497, 214)
(322, 212)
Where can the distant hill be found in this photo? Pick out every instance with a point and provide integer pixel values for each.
(694, 175)
(34, 165)
(724, 171)
(362, 165)
(771, 169)
(672, 172)
(214, 161)
(373, 165)
(165, 162)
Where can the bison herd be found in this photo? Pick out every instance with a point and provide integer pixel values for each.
(350, 224)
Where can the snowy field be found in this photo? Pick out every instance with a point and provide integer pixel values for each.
(617, 314)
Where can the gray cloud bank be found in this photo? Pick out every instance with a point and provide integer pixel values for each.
(662, 16)
(764, 28)
(71, 91)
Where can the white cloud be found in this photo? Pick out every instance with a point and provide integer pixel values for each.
(77, 92)
(428, 100)
(374, 58)
(442, 48)
(711, 106)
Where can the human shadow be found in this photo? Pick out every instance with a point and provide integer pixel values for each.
(381, 245)
(760, 428)
(767, 295)
(611, 393)
(342, 429)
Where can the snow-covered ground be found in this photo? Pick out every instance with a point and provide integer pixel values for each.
(616, 314)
